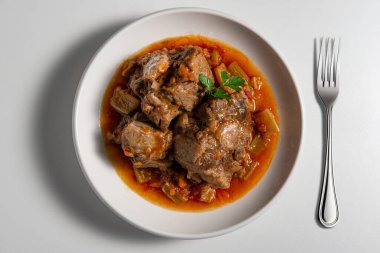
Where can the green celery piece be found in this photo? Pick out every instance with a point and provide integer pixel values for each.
(142, 175)
(176, 198)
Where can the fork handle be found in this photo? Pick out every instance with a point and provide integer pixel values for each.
(328, 205)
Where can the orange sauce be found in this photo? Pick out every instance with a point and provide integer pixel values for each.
(264, 98)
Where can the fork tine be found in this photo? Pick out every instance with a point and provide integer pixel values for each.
(332, 73)
(327, 62)
(320, 62)
(337, 64)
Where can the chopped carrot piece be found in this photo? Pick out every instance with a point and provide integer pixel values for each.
(128, 153)
(182, 182)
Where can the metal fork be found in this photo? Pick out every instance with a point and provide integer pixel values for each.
(328, 89)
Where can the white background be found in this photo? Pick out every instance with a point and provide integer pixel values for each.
(47, 206)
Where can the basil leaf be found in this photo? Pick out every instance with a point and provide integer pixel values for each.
(206, 82)
(221, 93)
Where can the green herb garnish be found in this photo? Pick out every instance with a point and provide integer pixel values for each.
(208, 83)
(224, 76)
(234, 82)
(220, 93)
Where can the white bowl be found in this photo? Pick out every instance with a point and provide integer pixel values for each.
(103, 177)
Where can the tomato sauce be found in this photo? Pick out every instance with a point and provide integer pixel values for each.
(263, 97)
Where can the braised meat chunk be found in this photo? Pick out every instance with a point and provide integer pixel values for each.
(213, 146)
(148, 72)
(146, 145)
(184, 85)
(159, 109)
(190, 63)
(167, 83)
(146, 76)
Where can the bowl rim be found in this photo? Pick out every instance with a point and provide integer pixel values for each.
(184, 235)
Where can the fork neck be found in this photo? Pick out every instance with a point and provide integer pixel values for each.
(329, 108)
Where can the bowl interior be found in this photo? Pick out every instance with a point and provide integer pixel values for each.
(100, 172)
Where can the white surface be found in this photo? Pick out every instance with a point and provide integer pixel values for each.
(45, 203)
(100, 172)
